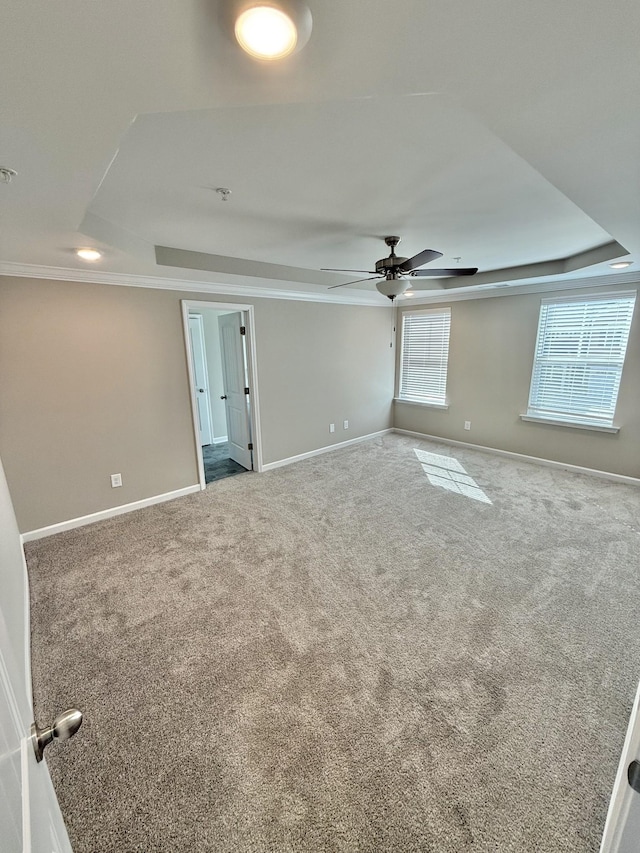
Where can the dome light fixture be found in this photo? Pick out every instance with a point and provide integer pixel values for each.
(89, 254)
(271, 30)
(620, 265)
(393, 286)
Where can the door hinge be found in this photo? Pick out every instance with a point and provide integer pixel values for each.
(246, 390)
(243, 330)
(250, 446)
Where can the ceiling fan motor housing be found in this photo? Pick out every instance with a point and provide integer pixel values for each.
(385, 265)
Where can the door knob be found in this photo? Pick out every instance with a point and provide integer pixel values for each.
(200, 390)
(224, 397)
(63, 727)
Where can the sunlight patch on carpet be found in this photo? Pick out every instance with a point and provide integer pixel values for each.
(447, 473)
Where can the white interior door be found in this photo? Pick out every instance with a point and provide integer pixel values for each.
(234, 374)
(200, 377)
(622, 829)
(30, 818)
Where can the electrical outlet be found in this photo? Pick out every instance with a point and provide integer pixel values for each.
(116, 480)
(345, 424)
(467, 424)
(332, 427)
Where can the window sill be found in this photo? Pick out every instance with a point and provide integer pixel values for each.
(443, 406)
(571, 424)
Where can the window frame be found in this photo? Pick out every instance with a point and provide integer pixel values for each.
(580, 420)
(433, 402)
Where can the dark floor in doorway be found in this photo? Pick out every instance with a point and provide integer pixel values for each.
(217, 464)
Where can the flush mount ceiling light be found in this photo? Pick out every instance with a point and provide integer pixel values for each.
(266, 33)
(271, 30)
(89, 254)
(620, 265)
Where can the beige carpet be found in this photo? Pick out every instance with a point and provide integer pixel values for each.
(365, 651)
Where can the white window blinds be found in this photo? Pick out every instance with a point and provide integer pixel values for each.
(425, 352)
(579, 357)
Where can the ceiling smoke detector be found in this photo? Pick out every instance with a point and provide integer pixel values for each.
(6, 174)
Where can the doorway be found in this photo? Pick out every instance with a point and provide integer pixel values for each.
(220, 348)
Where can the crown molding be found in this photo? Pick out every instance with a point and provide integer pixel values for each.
(11, 268)
(488, 291)
(351, 297)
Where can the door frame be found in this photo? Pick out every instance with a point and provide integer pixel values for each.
(189, 305)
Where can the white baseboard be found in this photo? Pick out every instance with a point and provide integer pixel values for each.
(549, 463)
(220, 440)
(41, 532)
(279, 464)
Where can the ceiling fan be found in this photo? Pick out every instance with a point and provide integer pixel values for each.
(392, 272)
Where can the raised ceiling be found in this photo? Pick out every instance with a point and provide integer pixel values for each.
(501, 133)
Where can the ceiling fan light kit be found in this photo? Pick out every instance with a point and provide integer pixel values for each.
(270, 30)
(392, 287)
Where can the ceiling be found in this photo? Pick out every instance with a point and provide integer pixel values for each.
(502, 134)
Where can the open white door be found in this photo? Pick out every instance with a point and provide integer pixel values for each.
(622, 829)
(200, 377)
(234, 373)
(30, 818)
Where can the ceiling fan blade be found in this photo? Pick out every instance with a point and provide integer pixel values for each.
(446, 273)
(419, 260)
(335, 269)
(333, 286)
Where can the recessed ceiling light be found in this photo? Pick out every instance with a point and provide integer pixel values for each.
(620, 265)
(89, 254)
(266, 32)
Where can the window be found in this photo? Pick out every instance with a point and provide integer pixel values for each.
(425, 352)
(579, 357)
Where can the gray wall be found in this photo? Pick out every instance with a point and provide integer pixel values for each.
(490, 360)
(94, 381)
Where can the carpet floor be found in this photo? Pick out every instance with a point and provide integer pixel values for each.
(398, 646)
